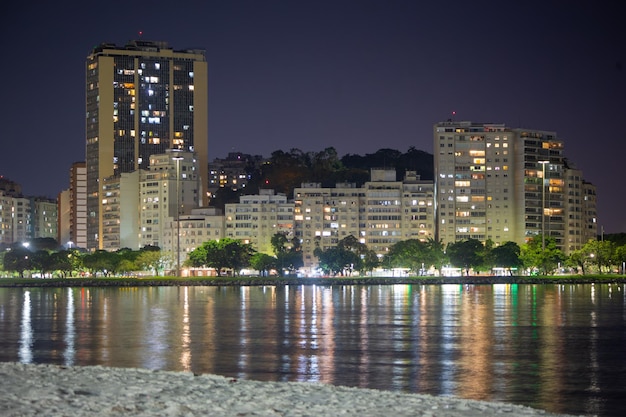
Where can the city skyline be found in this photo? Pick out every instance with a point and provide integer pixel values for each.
(358, 76)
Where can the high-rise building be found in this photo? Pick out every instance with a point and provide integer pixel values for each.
(141, 99)
(78, 206)
(580, 210)
(502, 184)
(63, 210)
(44, 217)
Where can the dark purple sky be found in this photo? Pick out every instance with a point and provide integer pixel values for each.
(354, 74)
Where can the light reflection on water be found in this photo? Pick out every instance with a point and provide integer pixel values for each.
(555, 347)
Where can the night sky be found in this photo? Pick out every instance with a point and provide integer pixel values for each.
(355, 75)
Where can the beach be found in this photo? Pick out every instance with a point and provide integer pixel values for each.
(55, 391)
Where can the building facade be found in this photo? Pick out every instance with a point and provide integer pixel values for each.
(232, 172)
(138, 207)
(580, 210)
(325, 215)
(502, 184)
(141, 99)
(78, 205)
(379, 214)
(169, 189)
(44, 217)
(189, 232)
(256, 218)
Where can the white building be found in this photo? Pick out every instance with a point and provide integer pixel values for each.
(500, 184)
(201, 225)
(169, 188)
(138, 207)
(256, 218)
(324, 216)
(381, 213)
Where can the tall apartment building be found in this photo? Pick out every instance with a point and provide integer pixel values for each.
(63, 227)
(44, 217)
(501, 184)
(9, 191)
(141, 99)
(21, 221)
(6, 220)
(580, 210)
(590, 212)
(256, 218)
(78, 198)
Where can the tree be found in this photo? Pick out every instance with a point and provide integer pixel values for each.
(436, 254)
(62, 261)
(369, 261)
(578, 259)
(620, 257)
(332, 260)
(44, 243)
(238, 254)
(17, 260)
(466, 254)
(542, 254)
(601, 254)
(102, 261)
(221, 254)
(263, 263)
(507, 256)
(41, 262)
(152, 260)
(341, 259)
(127, 266)
(411, 254)
(288, 253)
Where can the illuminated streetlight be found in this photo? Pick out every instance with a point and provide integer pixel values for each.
(177, 159)
(543, 203)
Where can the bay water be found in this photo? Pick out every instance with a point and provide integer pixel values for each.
(561, 348)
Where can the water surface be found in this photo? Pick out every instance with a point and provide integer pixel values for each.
(555, 347)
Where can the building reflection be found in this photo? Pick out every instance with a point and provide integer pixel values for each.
(514, 343)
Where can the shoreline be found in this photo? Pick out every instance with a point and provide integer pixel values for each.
(280, 281)
(57, 390)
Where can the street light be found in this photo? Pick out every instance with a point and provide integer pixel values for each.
(177, 159)
(543, 203)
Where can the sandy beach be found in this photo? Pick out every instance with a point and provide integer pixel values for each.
(54, 391)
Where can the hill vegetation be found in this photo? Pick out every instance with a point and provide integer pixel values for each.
(284, 171)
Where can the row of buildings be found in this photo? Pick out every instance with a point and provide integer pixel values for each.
(146, 179)
(23, 218)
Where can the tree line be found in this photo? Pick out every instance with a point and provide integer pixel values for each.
(540, 255)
